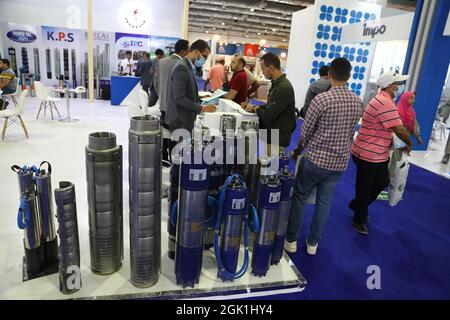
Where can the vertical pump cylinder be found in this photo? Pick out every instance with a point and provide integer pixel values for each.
(287, 180)
(192, 207)
(145, 174)
(104, 185)
(173, 198)
(233, 214)
(69, 244)
(268, 204)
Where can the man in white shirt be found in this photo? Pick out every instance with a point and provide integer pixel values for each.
(127, 65)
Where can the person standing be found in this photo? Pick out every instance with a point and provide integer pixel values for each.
(153, 96)
(239, 82)
(127, 65)
(183, 104)
(370, 150)
(279, 112)
(216, 76)
(327, 135)
(253, 83)
(162, 85)
(315, 88)
(408, 116)
(8, 81)
(144, 71)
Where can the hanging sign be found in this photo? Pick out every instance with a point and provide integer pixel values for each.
(387, 29)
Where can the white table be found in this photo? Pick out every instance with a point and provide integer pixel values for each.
(67, 93)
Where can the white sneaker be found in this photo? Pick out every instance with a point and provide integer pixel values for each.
(290, 247)
(311, 250)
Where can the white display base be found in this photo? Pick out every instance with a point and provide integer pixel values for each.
(63, 146)
(283, 278)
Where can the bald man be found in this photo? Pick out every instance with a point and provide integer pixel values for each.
(239, 82)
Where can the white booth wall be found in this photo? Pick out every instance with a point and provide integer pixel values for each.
(162, 17)
(315, 41)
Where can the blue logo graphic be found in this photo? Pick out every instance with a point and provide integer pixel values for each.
(369, 16)
(316, 66)
(337, 33)
(356, 88)
(326, 13)
(349, 53)
(365, 44)
(355, 17)
(321, 50)
(324, 32)
(312, 80)
(335, 51)
(21, 36)
(359, 73)
(362, 55)
(341, 15)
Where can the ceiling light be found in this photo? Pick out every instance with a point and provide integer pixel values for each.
(284, 39)
(252, 9)
(259, 33)
(207, 31)
(223, 23)
(214, 28)
(235, 18)
(274, 30)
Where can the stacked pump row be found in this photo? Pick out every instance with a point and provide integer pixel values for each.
(236, 210)
(230, 203)
(35, 217)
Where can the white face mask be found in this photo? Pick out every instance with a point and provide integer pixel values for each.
(400, 91)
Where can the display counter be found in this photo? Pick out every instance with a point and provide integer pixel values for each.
(124, 88)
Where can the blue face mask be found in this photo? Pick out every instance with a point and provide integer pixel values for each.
(200, 62)
(399, 92)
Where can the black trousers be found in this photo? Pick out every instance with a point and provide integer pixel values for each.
(371, 179)
(165, 142)
(152, 97)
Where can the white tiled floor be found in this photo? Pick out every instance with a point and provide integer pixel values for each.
(63, 146)
(431, 159)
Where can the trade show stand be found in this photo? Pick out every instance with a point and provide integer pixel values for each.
(124, 88)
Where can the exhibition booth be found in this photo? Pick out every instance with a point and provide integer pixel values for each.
(89, 196)
(333, 29)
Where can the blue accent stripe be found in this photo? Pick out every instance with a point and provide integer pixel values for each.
(412, 37)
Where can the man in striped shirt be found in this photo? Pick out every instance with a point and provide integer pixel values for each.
(327, 134)
(370, 151)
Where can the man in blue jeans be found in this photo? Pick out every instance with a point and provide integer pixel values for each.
(327, 135)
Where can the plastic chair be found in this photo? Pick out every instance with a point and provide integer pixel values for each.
(12, 96)
(42, 95)
(15, 115)
(143, 99)
(134, 110)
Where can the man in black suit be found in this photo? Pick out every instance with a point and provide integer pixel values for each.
(144, 71)
(183, 104)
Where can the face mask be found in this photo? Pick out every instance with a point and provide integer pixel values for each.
(400, 91)
(200, 62)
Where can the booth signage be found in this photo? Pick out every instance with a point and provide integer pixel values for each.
(387, 29)
(21, 36)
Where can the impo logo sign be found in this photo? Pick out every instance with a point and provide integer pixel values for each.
(373, 31)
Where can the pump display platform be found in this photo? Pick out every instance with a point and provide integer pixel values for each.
(48, 141)
(283, 278)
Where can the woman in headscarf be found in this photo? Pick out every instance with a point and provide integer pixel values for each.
(408, 116)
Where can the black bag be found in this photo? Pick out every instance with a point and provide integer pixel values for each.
(106, 92)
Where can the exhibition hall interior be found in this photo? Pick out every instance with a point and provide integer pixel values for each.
(223, 150)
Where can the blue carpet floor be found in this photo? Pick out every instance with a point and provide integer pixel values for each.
(409, 242)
